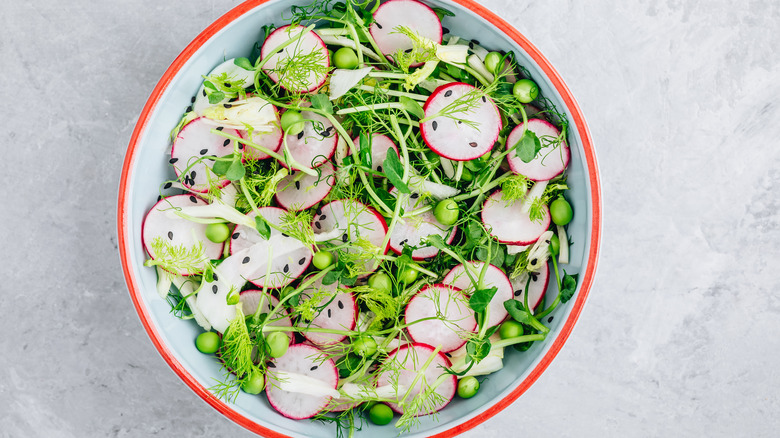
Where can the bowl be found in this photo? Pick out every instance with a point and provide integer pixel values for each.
(233, 35)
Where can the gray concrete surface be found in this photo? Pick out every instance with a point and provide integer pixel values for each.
(680, 337)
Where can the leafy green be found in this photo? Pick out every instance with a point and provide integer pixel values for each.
(481, 298)
(518, 312)
(528, 146)
(236, 171)
(568, 286)
(412, 107)
(322, 102)
(478, 349)
(393, 169)
(262, 227)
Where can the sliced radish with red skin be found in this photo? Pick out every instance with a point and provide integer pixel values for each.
(450, 331)
(314, 145)
(175, 230)
(494, 277)
(290, 256)
(549, 162)
(417, 16)
(282, 62)
(536, 289)
(269, 140)
(337, 311)
(194, 142)
(453, 139)
(380, 144)
(250, 300)
(301, 191)
(355, 220)
(412, 231)
(307, 361)
(404, 365)
(507, 222)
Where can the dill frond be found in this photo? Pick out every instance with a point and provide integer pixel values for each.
(297, 224)
(514, 188)
(177, 258)
(381, 303)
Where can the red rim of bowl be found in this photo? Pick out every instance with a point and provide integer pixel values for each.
(587, 277)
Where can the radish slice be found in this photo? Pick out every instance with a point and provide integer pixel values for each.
(551, 160)
(407, 13)
(509, 224)
(300, 191)
(290, 257)
(451, 136)
(175, 230)
(318, 371)
(403, 366)
(315, 144)
(250, 300)
(494, 277)
(269, 140)
(380, 144)
(413, 230)
(195, 142)
(337, 311)
(457, 319)
(284, 66)
(536, 289)
(355, 221)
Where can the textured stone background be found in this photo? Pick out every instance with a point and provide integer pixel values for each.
(680, 336)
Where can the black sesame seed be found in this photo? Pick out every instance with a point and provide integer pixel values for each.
(341, 305)
(214, 288)
(193, 199)
(434, 125)
(240, 147)
(271, 365)
(235, 235)
(192, 176)
(344, 238)
(460, 122)
(319, 210)
(518, 293)
(378, 168)
(447, 354)
(448, 93)
(403, 242)
(227, 105)
(302, 261)
(188, 109)
(215, 277)
(286, 268)
(219, 128)
(280, 51)
(168, 185)
(173, 160)
(379, 25)
(300, 135)
(227, 84)
(226, 142)
(170, 235)
(297, 185)
(473, 144)
(329, 313)
(445, 30)
(323, 217)
(534, 276)
(408, 51)
(314, 368)
(317, 224)
(415, 195)
(285, 235)
(192, 100)
(203, 151)
(484, 99)
(550, 319)
(533, 261)
(159, 198)
(471, 45)
(204, 92)
(245, 261)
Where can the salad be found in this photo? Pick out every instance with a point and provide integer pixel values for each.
(365, 216)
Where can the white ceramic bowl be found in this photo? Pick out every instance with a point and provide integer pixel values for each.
(145, 166)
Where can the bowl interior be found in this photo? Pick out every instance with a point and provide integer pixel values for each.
(146, 167)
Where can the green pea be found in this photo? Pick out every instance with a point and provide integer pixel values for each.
(491, 61)
(292, 122)
(525, 90)
(208, 342)
(468, 387)
(484, 159)
(380, 414)
(555, 245)
(254, 384)
(466, 176)
(323, 259)
(381, 281)
(446, 211)
(560, 211)
(277, 344)
(364, 346)
(510, 329)
(408, 275)
(345, 58)
(217, 233)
